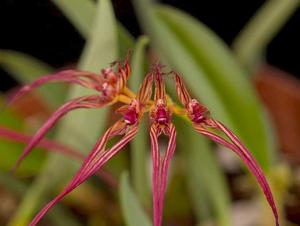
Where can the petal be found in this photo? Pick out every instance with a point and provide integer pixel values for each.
(181, 90)
(123, 72)
(145, 90)
(160, 171)
(247, 158)
(69, 76)
(92, 164)
(155, 175)
(82, 102)
(165, 165)
(160, 91)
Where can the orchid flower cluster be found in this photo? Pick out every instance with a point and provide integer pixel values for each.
(110, 87)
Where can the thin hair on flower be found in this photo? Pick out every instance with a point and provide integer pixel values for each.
(111, 86)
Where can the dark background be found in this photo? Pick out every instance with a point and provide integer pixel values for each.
(38, 28)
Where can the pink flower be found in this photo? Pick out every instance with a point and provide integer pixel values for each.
(205, 125)
(112, 88)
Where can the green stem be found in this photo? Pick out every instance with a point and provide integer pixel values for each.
(261, 29)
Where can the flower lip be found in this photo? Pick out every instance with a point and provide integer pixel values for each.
(131, 117)
(197, 112)
(161, 115)
(131, 113)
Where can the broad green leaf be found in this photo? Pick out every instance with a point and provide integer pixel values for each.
(81, 14)
(131, 208)
(140, 143)
(100, 50)
(206, 181)
(252, 41)
(26, 68)
(210, 71)
(126, 41)
(138, 63)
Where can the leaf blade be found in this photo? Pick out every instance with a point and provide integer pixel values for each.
(132, 210)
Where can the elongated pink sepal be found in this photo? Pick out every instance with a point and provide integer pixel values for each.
(93, 162)
(82, 102)
(145, 89)
(67, 76)
(160, 166)
(181, 90)
(237, 147)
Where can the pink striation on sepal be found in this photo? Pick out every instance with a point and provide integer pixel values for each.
(83, 78)
(161, 124)
(237, 147)
(92, 163)
(160, 166)
(199, 115)
(82, 102)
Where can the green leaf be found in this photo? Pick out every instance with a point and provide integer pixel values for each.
(210, 71)
(140, 143)
(246, 116)
(206, 181)
(100, 50)
(252, 41)
(126, 41)
(81, 14)
(138, 63)
(26, 68)
(131, 208)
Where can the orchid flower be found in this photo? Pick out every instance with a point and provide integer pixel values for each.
(200, 118)
(112, 88)
(161, 124)
(108, 83)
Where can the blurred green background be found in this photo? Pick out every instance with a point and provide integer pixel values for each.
(207, 185)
